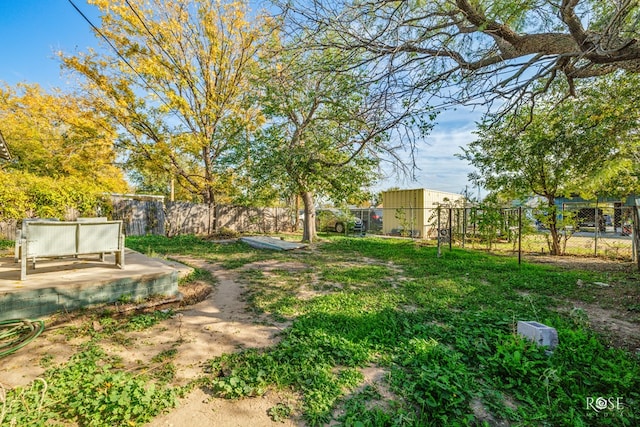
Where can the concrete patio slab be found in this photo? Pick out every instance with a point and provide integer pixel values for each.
(71, 283)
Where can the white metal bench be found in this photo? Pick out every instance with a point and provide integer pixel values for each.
(42, 239)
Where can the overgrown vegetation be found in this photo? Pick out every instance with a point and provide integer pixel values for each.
(443, 330)
(92, 388)
(95, 388)
(439, 331)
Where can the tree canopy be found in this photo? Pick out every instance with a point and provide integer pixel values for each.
(62, 154)
(175, 77)
(58, 135)
(586, 147)
(326, 132)
(463, 51)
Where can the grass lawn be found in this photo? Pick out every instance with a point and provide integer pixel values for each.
(441, 331)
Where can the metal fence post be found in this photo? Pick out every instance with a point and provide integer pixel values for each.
(450, 230)
(438, 232)
(464, 226)
(596, 230)
(519, 234)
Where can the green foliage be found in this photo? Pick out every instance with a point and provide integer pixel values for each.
(326, 132)
(225, 233)
(146, 320)
(24, 195)
(490, 220)
(405, 223)
(359, 413)
(88, 391)
(541, 152)
(279, 412)
(445, 337)
(63, 155)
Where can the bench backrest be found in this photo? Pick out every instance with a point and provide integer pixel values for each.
(91, 219)
(96, 237)
(72, 237)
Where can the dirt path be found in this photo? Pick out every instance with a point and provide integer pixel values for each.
(220, 324)
(217, 325)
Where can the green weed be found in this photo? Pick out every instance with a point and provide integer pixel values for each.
(107, 397)
(147, 320)
(445, 330)
(442, 328)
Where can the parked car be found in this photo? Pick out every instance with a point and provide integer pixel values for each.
(586, 219)
(332, 219)
(371, 218)
(376, 219)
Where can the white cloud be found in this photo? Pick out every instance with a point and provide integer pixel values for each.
(438, 168)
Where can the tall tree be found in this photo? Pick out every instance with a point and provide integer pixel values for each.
(58, 135)
(62, 151)
(175, 78)
(478, 51)
(567, 147)
(327, 131)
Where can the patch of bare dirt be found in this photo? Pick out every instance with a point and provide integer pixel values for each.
(615, 312)
(275, 265)
(209, 323)
(219, 324)
(583, 263)
(199, 409)
(482, 415)
(612, 325)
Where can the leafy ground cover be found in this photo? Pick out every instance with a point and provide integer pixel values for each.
(92, 389)
(443, 329)
(440, 332)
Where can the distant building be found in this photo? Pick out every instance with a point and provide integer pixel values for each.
(413, 212)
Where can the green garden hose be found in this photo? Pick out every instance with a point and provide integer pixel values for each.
(16, 333)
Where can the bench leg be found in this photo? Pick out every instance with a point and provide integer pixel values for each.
(122, 248)
(23, 264)
(120, 258)
(18, 247)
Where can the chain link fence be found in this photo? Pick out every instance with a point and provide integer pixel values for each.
(593, 231)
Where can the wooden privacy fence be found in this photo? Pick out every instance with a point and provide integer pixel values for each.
(192, 218)
(140, 215)
(143, 215)
(254, 220)
(153, 216)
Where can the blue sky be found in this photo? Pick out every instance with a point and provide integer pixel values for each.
(31, 31)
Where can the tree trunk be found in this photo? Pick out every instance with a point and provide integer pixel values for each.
(309, 230)
(553, 227)
(296, 225)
